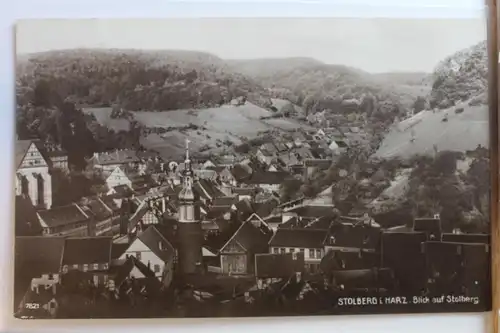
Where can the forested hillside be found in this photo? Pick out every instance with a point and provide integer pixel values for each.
(133, 80)
(317, 86)
(461, 76)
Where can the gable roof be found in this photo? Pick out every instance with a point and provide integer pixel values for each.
(37, 255)
(298, 238)
(111, 202)
(252, 238)
(117, 249)
(87, 250)
(313, 211)
(318, 163)
(267, 177)
(152, 238)
(97, 208)
(116, 157)
(123, 271)
(123, 190)
(278, 265)
(427, 225)
(466, 238)
(22, 147)
(224, 201)
(241, 172)
(63, 215)
(354, 236)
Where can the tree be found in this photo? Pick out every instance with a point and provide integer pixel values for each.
(287, 110)
(42, 94)
(419, 105)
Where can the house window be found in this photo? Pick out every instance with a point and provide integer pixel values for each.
(105, 266)
(138, 255)
(283, 250)
(85, 267)
(292, 250)
(75, 266)
(311, 253)
(95, 267)
(302, 251)
(157, 268)
(276, 250)
(318, 254)
(51, 276)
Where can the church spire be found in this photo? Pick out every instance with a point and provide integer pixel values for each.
(187, 161)
(187, 193)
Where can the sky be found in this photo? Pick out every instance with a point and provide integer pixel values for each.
(373, 45)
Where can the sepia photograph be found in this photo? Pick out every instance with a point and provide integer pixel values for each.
(250, 167)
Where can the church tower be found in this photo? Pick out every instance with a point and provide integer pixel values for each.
(189, 232)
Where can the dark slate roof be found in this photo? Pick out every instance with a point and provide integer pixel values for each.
(152, 238)
(37, 255)
(354, 236)
(267, 177)
(109, 201)
(240, 172)
(87, 250)
(116, 157)
(217, 211)
(323, 223)
(318, 163)
(224, 201)
(264, 209)
(273, 219)
(97, 208)
(466, 238)
(123, 190)
(313, 211)
(243, 191)
(211, 187)
(427, 225)
(64, 215)
(117, 249)
(27, 223)
(300, 238)
(137, 216)
(123, 271)
(22, 147)
(278, 265)
(254, 239)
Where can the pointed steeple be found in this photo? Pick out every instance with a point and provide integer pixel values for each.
(187, 161)
(187, 193)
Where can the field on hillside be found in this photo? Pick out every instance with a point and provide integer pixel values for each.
(226, 123)
(463, 131)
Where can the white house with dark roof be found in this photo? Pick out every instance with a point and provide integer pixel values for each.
(310, 242)
(33, 176)
(155, 248)
(108, 161)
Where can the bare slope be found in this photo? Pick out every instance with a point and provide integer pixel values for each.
(215, 127)
(463, 131)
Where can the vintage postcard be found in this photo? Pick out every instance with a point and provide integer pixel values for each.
(251, 167)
